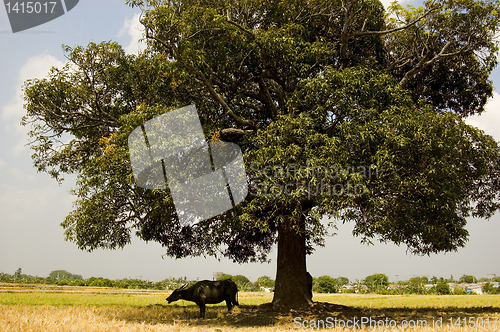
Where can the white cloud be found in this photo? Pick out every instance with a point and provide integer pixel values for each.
(386, 3)
(21, 145)
(403, 3)
(31, 210)
(134, 29)
(35, 67)
(18, 174)
(490, 119)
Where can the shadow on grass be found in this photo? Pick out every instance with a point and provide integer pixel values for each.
(215, 316)
(430, 314)
(242, 316)
(265, 315)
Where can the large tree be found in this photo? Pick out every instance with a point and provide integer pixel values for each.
(342, 110)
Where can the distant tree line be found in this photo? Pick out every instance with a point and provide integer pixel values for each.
(65, 278)
(376, 283)
(379, 283)
(245, 285)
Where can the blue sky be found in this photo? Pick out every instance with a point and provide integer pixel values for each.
(32, 205)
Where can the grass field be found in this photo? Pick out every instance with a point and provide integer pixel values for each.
(53, 308)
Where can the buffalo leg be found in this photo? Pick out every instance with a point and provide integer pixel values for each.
(202, 310)
(229, 305)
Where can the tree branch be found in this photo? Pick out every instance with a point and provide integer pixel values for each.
(384, 32)
(261, 48)
(271, 106)
(235, 131)
(206, 83)
(218, 97)
(344, 36)
(424, 63)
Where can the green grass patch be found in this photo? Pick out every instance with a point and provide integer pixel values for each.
(411, 301)
(103, 300)
(124, 298)
(68, 299)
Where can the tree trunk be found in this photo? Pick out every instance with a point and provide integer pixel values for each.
(293, 283)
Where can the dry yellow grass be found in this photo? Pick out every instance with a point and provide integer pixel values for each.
(58, 309)
(90, 319)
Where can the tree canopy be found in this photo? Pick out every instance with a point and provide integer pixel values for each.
(342, 110)
(376, 282)
(63, 274)
(327, 284)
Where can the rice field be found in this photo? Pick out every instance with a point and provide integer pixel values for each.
(64, 308)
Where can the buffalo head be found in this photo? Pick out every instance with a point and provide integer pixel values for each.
(176, 294)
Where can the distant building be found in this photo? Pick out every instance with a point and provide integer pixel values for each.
(217, 275)
(491, 276)
(475, 288)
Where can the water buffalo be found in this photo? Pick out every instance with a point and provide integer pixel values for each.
(208, 292)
